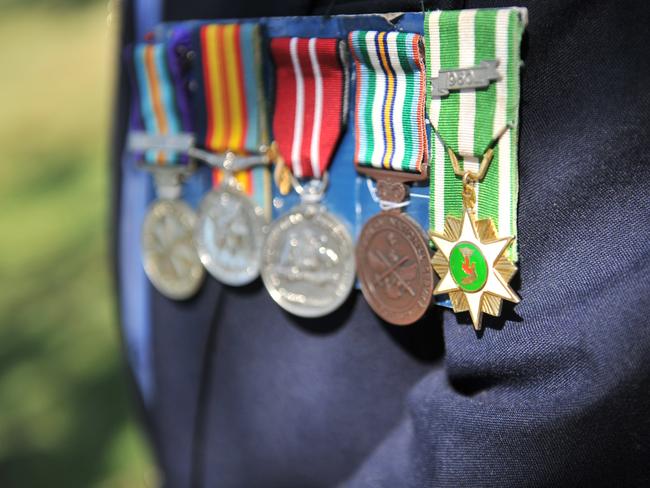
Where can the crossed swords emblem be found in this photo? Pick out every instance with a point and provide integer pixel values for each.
(395, 270)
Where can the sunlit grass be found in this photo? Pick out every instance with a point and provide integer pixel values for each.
(64, 410)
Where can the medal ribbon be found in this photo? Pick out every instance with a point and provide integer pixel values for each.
(472, 120)
(233, 106)
(390, 100)
(232, 86)
(310, 94)
(157, 99)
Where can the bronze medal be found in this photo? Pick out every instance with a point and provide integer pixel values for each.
(393, 267)
(393, 257)
(391, 148)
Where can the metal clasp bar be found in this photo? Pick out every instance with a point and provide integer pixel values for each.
(464, 78)
(144, 141)
(229, 161)
(392, 185)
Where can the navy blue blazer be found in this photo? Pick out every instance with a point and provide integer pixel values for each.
(237, 393)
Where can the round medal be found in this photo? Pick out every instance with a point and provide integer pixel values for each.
(170, 259)
(394, 269)
(229, 236)
(308, 261)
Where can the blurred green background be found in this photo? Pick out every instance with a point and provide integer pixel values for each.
(66, 419)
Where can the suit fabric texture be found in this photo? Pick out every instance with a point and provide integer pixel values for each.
(556, 392)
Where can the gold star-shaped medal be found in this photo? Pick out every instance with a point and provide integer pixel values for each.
(472, 267)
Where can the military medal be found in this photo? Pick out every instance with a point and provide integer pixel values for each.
(473, 102)
(308, 260)
(392, 251)
(231, 226)
(168, 253)
(233, 139)
(308, 255)
(470, 257)
(169, 258)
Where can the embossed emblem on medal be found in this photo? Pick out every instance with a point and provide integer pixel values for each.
(308, 261)
(231, 222)
(475, 248)
(393, 256)
(229, 236)
(170, 259)
(308, 254)
(392, 250)
(471, 258)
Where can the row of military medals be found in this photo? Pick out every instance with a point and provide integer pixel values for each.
(225, 238)
(306, 257)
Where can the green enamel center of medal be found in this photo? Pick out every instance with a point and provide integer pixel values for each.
(468, 267)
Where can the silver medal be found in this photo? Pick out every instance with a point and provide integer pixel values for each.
(229, 235)
(170, 258)
(308, 261)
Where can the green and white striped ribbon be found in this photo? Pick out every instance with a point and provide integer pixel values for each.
(469, 121)
(390, 98)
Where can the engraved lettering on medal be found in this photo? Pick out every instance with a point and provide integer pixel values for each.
(464, 78)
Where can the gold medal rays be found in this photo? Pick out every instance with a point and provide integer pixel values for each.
(470, 257)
